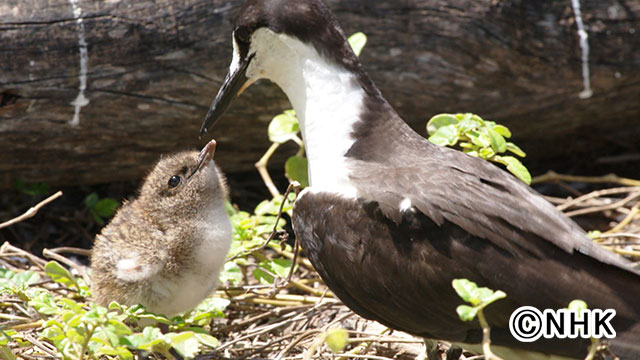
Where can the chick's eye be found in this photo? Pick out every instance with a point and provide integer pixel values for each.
(174, 181)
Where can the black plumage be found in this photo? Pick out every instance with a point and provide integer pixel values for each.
(398, 269)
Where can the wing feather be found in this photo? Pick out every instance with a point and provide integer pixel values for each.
(489, 203)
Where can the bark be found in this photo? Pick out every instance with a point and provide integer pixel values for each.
(153, 67)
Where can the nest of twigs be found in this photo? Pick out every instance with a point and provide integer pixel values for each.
(290, 319)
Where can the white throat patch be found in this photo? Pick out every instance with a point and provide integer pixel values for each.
(326, 97)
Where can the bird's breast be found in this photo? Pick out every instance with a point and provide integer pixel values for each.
(198, 274)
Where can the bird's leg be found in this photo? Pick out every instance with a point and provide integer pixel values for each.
(430, 350)
(454, 352)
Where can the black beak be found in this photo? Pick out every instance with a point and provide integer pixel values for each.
(232, 86)
(205, 156)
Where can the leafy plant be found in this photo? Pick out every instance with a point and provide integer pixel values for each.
(479, 298)
(78, 332)
(100, 209)
(81, 330)
(579, 306)
(60, 275)
(479, 138)
(17, 284)
(5, 337)
(250, 232)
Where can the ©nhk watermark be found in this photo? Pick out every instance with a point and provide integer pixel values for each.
(528, 324)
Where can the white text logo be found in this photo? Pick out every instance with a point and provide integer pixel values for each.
(528, 324)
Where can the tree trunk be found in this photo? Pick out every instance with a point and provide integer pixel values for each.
(149, 70)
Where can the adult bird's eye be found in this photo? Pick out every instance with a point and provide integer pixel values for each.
(174, 181)
(242, 35)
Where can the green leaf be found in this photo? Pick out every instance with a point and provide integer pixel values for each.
(208, 340)
(515, 149)
(110, 334)
(486, 153)
(155, 317)
(211, 308)
(515, 167)
(270, 207)
(476, 296)
(91, 200)
(229, 208)
(466, 289)
(473, 153)
(185, 343)
(106, 207)
(445, 136)
(466, 312)
(478, 139)
(357, 42)
(5, 353)
(59, 274)
(231, 273)
(215, 305)
(296, 169)
(594, 234)
(482, 293)
(337, 339)
(477, 119)
(439, 121)
(502, 130)
(498, 143)
(284, 127)
(263, 277)
(281, 267)
(97, 218)
(497, 295)
(149, 337)
(5, 337)
(6, 273)
(577, 305)
(120, 352)
(468, 122)
(74, 321)
(117, 327)
(52, 333)
(22, 278)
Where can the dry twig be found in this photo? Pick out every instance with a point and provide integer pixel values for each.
(32, 211)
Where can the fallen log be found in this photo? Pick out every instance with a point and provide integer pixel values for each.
(94, 91)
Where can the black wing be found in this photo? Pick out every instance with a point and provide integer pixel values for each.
(487, 202)
(400, 273)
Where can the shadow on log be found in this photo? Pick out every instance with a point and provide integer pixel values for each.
(149, 70)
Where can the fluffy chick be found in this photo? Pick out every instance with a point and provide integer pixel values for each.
(164, 250)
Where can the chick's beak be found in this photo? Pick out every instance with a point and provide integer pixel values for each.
(234, 83)
(205, 156)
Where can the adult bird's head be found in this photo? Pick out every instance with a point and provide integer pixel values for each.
(270, 38)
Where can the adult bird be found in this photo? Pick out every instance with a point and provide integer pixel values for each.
(389, 219)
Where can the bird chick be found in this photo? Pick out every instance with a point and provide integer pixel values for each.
(164, 250)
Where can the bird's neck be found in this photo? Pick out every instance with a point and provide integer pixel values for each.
(329, 102)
